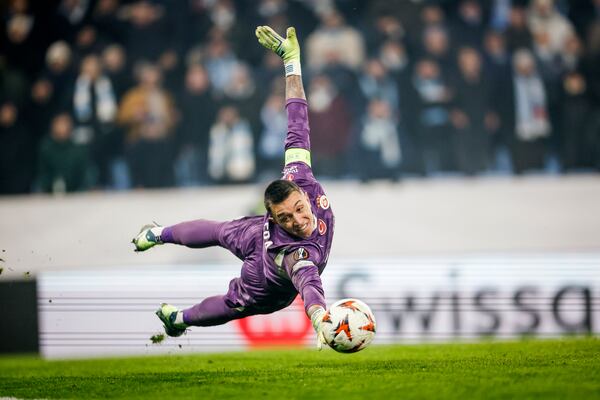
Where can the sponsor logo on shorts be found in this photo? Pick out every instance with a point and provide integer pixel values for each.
(301, 254)
(323, 202)
(322, 227)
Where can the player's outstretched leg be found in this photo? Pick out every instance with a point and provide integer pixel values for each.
(168, 315)
(212, 311)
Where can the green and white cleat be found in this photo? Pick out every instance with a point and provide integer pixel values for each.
(148, 237)
(168, 314)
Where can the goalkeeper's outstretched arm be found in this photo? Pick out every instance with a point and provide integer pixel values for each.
(297, 143)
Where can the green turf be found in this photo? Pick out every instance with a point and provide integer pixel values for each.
(557, 369)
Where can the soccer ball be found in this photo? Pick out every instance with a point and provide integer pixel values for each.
(348, 326)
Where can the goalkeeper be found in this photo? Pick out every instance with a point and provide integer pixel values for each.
(283, 252)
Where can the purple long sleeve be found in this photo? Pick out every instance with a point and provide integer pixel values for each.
(197, 234)
(298, 135)
(308, 283)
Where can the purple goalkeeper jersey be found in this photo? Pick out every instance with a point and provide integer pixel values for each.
(277, 265)
(285, 254)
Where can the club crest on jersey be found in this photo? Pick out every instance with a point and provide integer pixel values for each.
(288, 172)
(301, 254)
(322, 227)
(323, 202)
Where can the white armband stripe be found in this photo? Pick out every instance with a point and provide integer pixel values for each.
(301, 264)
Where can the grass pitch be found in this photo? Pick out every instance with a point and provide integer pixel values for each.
(553, 369)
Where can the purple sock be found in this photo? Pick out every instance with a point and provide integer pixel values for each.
(198, 234)
(211, 311)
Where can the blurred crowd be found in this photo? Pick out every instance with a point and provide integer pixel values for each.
(117, 94)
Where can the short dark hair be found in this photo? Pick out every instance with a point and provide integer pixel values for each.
(278, 191)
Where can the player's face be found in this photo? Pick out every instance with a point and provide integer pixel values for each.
(294, 215)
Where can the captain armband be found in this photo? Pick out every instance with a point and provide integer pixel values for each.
(296, 155)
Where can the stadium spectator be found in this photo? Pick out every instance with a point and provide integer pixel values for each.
(334, 42)
(548, 60)
(22, 40)
(40, 110)
(394, 57)
(147, 30)
(430, 118)
(223, 15)
(302, 12)
(74, 12)
(531, 121)
(376, 83)
(331, 126)
(571, 55)
(86, 43)
(17, 151)
(195, 23)
(274, 128)
(386, 27)
(59, 71)
(268, 69)
(94, 115)
(472, 115)
(407, 13)
(172, 69)
(63, 165)
(18, 29)
(469, 26)
(380, 147)
(517, 34)
(220, 62)
(231, 148)
(50, 92)
(496, 57)
(116, 68)
(432, 15)
(230, 20)
(198, 112)
(500, 14)
(436, 46)
(590, 65)
(147, 113)
(499, 66)
(578, 144)
(105, 18)
(244, 94)
(583, 14)
(544, 19)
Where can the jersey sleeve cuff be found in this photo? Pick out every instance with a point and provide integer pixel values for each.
(296, 100)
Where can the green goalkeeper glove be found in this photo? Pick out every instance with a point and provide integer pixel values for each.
(148, 237)
(288, 49)
(316, 317)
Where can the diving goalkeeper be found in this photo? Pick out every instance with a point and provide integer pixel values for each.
(285, 251)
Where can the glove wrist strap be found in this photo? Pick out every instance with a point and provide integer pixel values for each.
(317, 317)
(292, 67)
